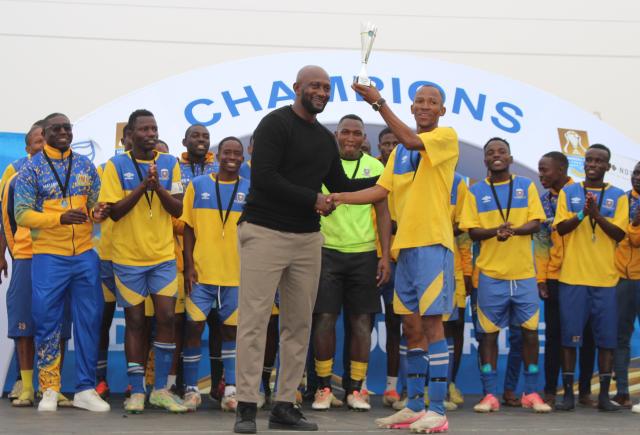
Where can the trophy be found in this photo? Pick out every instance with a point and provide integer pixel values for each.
(368, 33)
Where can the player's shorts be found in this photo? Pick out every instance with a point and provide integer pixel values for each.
(135, 283)
(349, 279)
(204, 297)
(19, 297)
(386, 290)
(507, 302)
(108, 280)
(424, 281)
(578, 304)
(150, 311)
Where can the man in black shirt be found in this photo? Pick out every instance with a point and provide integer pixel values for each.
(280, 244)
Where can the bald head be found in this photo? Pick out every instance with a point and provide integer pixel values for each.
(310, 72)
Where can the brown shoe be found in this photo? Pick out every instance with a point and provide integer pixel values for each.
(623, 400)
(550, 399)
(586, 401)
(509, 398)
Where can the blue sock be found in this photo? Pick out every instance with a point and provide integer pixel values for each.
(191, 362)
(450, 346)
(489, 379)
(416, 368)
(163, 359)
(402, 368)
(135, 373)
(438, 370)
(101, 369)
(531, 379)
(229, 362)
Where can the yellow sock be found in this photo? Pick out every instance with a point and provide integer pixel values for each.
(323, 368)
(27, 380)
(358, 370)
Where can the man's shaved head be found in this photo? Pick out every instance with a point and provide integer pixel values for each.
(309, 72)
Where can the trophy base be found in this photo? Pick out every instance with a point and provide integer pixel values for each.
(364, 81)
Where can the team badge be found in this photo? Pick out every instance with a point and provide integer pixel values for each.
(82, 180)
(519, 193)
(608, 203)
(240, 197)
(164, 174)
(366, 172)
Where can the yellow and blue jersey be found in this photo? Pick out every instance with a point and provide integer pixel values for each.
(18, 238)
(461, 249)
(103, 242)
(589, 255)
(144, 236)
(12, 169)
(421, 184)
(215, 253)
(511, 259)
(245, 170)
(190, 170)
(39, 202)
(628, 251)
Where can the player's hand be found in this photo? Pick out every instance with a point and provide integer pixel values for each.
(336, 198)
(543, 291)
(190, 278)
(74, 216)
(504, 232)
(101, 211)
(368, 93)
(468, 284)
(4, 268)
(324, 205)
(152, 177)
(384, 271)
(590, 205)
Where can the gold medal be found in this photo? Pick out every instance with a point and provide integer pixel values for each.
(150, 214)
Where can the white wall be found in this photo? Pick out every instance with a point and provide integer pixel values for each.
(73, 56)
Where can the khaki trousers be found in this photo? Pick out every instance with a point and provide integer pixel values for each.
(271, 260)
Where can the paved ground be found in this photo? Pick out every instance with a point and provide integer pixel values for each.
(212, 421)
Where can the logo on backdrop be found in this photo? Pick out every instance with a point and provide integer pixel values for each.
(574, 144)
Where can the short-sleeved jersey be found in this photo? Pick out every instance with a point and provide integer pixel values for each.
(12, 169)
(215, 254)
(513, 258)
(350, 228)
(18, 238)
(103, 243)
(421, 184)
(144, 236)
(189, 170)
(548, 244)
(628, 250)
(39, 201)
(589, 260)
(458, 195)
(245, 170)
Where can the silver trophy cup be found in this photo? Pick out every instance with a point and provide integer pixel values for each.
(368, 33)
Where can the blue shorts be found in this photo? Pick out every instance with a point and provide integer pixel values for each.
(424, 281)
(204, 297)
(578, 304)
(19, 297)
(108, 280)
(507, 302)
(135, 283)
(386, 290)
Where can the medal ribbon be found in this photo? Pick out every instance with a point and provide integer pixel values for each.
(495, 196)
(139, 172)
(63, 188)
(225, 218)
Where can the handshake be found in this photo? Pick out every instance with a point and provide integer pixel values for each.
(326, 204)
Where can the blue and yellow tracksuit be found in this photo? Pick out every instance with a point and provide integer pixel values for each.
(64, 262)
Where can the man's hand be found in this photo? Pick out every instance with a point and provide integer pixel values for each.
(543, 291)
(4, 268)
(384, 271)
(504, 232)
(152, 177)
(190, 278)
(75, 216)
(101, 211)
(324, 205)
(468, 284)
(591, 205)
(368, 93)
(335, 198)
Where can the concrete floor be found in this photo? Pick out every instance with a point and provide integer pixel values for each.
(209, 420)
